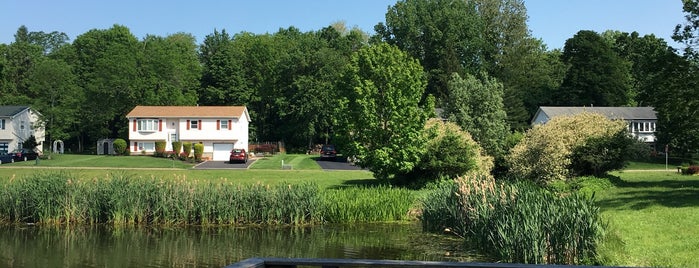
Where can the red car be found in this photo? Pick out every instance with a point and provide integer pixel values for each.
(238, 155)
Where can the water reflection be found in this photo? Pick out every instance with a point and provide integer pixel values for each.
(29, 246)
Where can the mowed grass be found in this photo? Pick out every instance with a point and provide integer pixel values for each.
(656, 217)
(296, 161)
(104, 161)
(305, 169)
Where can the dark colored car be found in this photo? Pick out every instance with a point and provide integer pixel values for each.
(24, 154)
(6, 158)
(238, 155)
(328, 152)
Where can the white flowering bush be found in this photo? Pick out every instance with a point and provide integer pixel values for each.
(544, 154)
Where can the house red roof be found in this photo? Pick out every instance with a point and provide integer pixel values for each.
(188, 111)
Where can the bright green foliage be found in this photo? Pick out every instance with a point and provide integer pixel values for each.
(119, 146)
(59, 198)
(187, 148)
(516, 223)
(476, 106)
(177, 147)
(385, 119)
(446, 36)
(198, 151)
(160, 147)
(450, 152)
(374, 204)
(596, 76)
(544, 154)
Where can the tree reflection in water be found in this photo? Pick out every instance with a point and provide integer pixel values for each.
(102, 246)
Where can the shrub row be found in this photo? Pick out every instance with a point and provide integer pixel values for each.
(520, 223)
(58, 198)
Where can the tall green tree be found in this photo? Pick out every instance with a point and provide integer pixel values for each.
(169, 70)
(384, 119)
(688, 33)
(596, 74)
(476, 105)
(107, 69)
(61, 99)
(445, 36)
(19, 58)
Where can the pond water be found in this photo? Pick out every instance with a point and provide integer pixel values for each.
(101, 246)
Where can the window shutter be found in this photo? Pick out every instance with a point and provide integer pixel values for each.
(135, 146)
(160, 125)
(218, 124)
(229, 124)
(199, 125)
(187, 124)
(134, 125)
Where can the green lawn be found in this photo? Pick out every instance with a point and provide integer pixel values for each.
(656, 216)
(296, 161)
(104, 161)
(264, 170)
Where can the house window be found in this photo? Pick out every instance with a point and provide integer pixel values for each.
(4, 146)
(173, 137)
(224, 124)
(148, 125)
(193, 124)
(2, 124)
(146, 146)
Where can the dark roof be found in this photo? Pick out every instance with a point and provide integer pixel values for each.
(11, 110)
(625, 113)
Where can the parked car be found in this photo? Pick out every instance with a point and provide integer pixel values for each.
(238, 155)
(24, 154)
(328, 152)
(6, 158)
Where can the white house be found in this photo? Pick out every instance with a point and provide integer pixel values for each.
(17, 124)
(219, 128)
(641, 120)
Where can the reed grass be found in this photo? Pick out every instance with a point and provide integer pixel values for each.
(367, 204)
(123, 199)
(520, 223)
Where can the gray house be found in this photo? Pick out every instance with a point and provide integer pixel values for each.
(17, 124)
(641, 120)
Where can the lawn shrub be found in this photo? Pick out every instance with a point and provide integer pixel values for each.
(160, 148)
(198, 151)
(690, 170)
(598, 155)
(544, 154)
(120, 147)
(516, 222)
(450, 152)
(177, 147)
(186, 149)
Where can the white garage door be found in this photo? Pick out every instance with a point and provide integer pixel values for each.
(222, 151)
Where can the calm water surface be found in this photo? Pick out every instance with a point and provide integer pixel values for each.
(34, 246)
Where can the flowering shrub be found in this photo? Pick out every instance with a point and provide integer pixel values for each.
(544, 154)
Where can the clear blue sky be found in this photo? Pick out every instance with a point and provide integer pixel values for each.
(553, 21)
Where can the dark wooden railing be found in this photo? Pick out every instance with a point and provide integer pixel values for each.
(334, 263)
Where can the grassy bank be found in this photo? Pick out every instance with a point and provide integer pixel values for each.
(654, 216)
(61, 198)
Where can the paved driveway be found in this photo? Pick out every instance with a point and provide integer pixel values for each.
(340, 164)
(224, 165)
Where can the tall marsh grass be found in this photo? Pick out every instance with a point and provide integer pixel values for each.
(519, 223)
(59, 198)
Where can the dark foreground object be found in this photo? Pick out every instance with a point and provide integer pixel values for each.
(293, 263)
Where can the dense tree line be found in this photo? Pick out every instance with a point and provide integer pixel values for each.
(479, 62)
